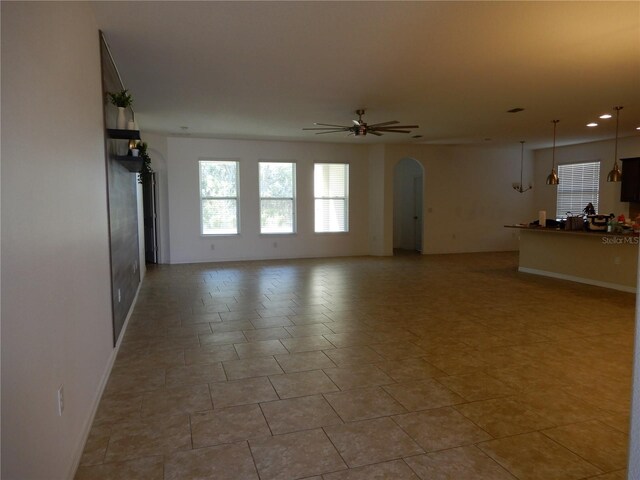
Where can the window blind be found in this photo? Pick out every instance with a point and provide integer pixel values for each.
(331, 192)
(218, 197)
(579, 186)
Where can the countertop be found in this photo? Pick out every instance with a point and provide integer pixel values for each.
(537, 228)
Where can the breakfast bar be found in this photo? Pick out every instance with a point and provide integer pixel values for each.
(596, 258)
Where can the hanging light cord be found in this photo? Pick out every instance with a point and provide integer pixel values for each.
(521, 161)
(553, 154)
(615, 148)
(520, 187)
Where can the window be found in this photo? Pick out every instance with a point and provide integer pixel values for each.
(277, 197)
(219, 197)
(331, 192)
(579, 185)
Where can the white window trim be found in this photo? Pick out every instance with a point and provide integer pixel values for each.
(236, 198)
(346, 199)
(294, 208)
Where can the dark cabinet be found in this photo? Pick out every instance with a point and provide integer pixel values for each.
(630, 189)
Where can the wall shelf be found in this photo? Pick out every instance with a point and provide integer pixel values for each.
(123, 134)
(133, 164)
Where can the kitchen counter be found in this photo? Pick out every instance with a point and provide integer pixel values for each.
(536, 228)
(597, 258)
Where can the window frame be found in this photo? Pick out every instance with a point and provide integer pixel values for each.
(293, 199)
(236, 161)
(579, 191)
(345, 198)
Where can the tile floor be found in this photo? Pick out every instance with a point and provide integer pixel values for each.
(413, 367)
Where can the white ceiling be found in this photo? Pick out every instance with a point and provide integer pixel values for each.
(265, 70)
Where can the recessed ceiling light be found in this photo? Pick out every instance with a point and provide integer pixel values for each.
(592, 124)
(637, 128)
(605, 116)
(515, 110)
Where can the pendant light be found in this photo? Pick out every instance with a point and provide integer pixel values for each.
(553, 179)
(519, 188)
(615, 175)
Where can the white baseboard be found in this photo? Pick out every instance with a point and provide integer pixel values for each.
(101, 386)
(571, 278)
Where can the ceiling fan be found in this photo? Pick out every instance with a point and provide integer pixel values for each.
(360, 128)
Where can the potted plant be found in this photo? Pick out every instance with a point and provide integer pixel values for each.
(122, 100)
(146, 169)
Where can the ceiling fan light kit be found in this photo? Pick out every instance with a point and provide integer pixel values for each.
(361, 128)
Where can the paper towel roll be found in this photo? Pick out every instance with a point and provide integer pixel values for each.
(542, 218)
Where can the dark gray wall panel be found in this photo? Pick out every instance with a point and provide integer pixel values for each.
(123, 209)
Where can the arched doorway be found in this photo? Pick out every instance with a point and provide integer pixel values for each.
(408, 180)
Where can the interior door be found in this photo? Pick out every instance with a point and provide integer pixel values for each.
(417, 212)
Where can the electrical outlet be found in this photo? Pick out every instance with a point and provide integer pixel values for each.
(119, 296)
(60, 400)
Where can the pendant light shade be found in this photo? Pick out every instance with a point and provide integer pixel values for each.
(553, 179)
(615, 175)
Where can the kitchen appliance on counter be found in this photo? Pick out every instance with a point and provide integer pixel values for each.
(597, 223)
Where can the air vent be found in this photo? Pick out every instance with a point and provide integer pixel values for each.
(417, 136)
(515, 110)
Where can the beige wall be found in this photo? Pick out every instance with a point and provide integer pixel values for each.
(188, 245)
(545, 196)
(56, 308)
(377, 200)
(468, 196)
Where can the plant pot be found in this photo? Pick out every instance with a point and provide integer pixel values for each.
(121, 123)
(135, 152)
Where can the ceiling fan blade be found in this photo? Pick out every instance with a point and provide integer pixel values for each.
(399, 126)
(330, 131)
(373, 132)
(330, 125)
(392, 122)
(385, 130)
(341, 129)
